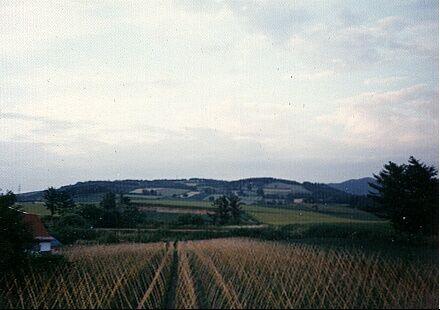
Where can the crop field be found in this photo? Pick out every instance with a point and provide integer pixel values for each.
(119, 276)
(224, 273)
(166, 192)
(33, 207)
(286, 216)
(337, 210)
(175, 203)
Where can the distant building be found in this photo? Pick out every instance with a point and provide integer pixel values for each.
(298, 200)
(40, 233)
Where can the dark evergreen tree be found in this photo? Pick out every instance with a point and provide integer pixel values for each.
(58, 201)
(221, 214)
(409, 195)
(108, 201)
(65, 202)
(51, 200)
(235, 208)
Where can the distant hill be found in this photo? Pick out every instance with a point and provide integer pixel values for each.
(94, 190)
(354, 186)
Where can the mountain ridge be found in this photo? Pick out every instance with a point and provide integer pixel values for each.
(324, 191)
(354, 186)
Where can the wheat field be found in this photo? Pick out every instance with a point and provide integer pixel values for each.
(224, 273)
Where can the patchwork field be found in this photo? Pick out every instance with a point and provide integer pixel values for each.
(224, 273)
(164, 209)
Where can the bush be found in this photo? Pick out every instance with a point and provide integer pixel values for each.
(71, 220)
(69, 235)
(92, 213)
(190, 219)
(46, 261)
(108, 237)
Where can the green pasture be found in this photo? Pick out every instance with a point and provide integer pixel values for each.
(33, 208)
(287, 216)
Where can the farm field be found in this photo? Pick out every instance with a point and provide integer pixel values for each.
(210, 274)
(337, 210)
(286, 216)
(176, 203)
(33, 207)
(168, 211)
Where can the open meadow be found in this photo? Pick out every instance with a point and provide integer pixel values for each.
(210, 274)
(304, 215)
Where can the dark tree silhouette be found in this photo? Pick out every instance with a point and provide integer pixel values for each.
(222, 205)
(65, 202)
(57, 200)
(221, 215)
(235, 208)
(15, 235)
(226, 208)
(108, 201)
(409, 195)
(51, 200)
(124, 200)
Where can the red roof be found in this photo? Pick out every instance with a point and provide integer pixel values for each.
(39, 231)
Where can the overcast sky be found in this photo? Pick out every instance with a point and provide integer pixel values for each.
(304, 90)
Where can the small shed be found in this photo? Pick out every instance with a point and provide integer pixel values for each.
(40, 233)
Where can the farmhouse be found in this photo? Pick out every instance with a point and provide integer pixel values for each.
(40, 233)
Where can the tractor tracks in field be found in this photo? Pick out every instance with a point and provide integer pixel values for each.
(170, 300)
(183, 284)
(156, 281)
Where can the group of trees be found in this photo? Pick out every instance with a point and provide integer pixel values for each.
(78, 222)
(110, 213)
(409, 194)
(227, 210)
(57, 201)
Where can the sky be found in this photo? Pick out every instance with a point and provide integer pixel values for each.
(321, 91)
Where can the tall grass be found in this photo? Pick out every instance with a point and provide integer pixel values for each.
(223, 273)
(115, 276)
(240, 273)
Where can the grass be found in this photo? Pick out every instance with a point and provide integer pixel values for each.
(287, 216)
(37, 208)
(161, 217)
(274, 275)
(225, 273)
(115, 276)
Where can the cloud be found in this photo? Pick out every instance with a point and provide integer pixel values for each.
(399, 119)
(164, 86)
(361, 43)
(30, 27)
(48, 122)
(384, 80)
(278, 20)
(315, 76)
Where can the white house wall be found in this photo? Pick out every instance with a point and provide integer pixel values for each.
(45, 247)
